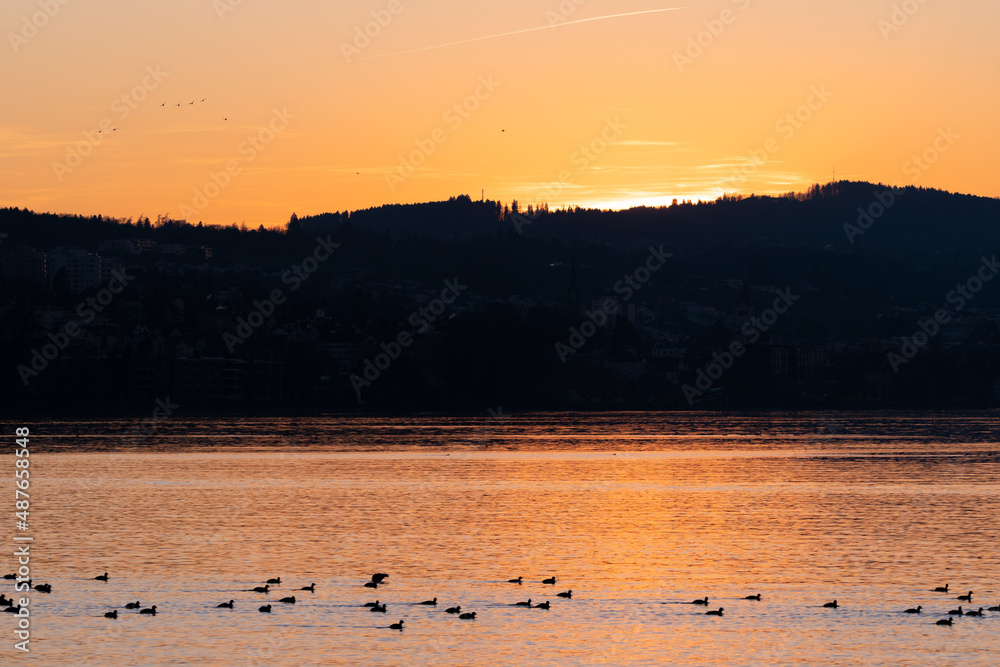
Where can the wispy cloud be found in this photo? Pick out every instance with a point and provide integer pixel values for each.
(526, 30)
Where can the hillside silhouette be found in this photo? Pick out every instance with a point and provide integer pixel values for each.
(529, 278)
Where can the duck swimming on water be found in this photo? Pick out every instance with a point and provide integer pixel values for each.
(701, 602)
(311, 588)
(111, 614)
(471, 616)
(266, 609)
(103, 577)
(965, 598)
(523, 604)
(509, 581)
(956, 612)
(225, 605)
(432, 603)
(550, 580)
(565, 594)
(941, 589)
(831, 605)
(913, 611)
(397, 626)
(133, 605)
(947, 621)
(151, 611)
(715, 613)
(453, 610)
(753, 597)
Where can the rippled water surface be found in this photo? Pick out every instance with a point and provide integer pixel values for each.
(635, 512)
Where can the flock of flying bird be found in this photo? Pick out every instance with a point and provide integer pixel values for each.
(377, 579)
(191, 103)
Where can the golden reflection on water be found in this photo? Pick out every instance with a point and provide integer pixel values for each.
(874, 524)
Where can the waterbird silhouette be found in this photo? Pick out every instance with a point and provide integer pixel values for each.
(544, 605)
(701, 602)
(550, 580)
(947, 621)
(12, 610)
(397, 626)
(151, 611)
(103, 577)
(941, 589)
(509, 581)
(956, 612)
(44, 588)
(975, 613)
(715, 613)
(225, 605)
(273, 581)
(913, 611)
(996, 608)
(430, 602)
(965, 598)
(311, 588)
(523, 604)
(266, 609)
(10, 576)
(831, 605)
(133, 605)
(453, 610)
(371, 584)
(753, 597)
(378, 577)
(289, 600)
(471, 616)
(371, 604)
(5, 601)
(565, 594)
(260, 589)
(381, 609)
(111, 614)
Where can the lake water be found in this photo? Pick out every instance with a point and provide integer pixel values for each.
(635, 512)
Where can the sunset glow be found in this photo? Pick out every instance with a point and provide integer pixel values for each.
(232, 111)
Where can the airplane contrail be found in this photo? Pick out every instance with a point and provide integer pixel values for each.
(521, 32)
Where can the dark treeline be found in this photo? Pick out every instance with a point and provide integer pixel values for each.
(866, 265)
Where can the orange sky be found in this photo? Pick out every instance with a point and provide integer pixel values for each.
(316, 121)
